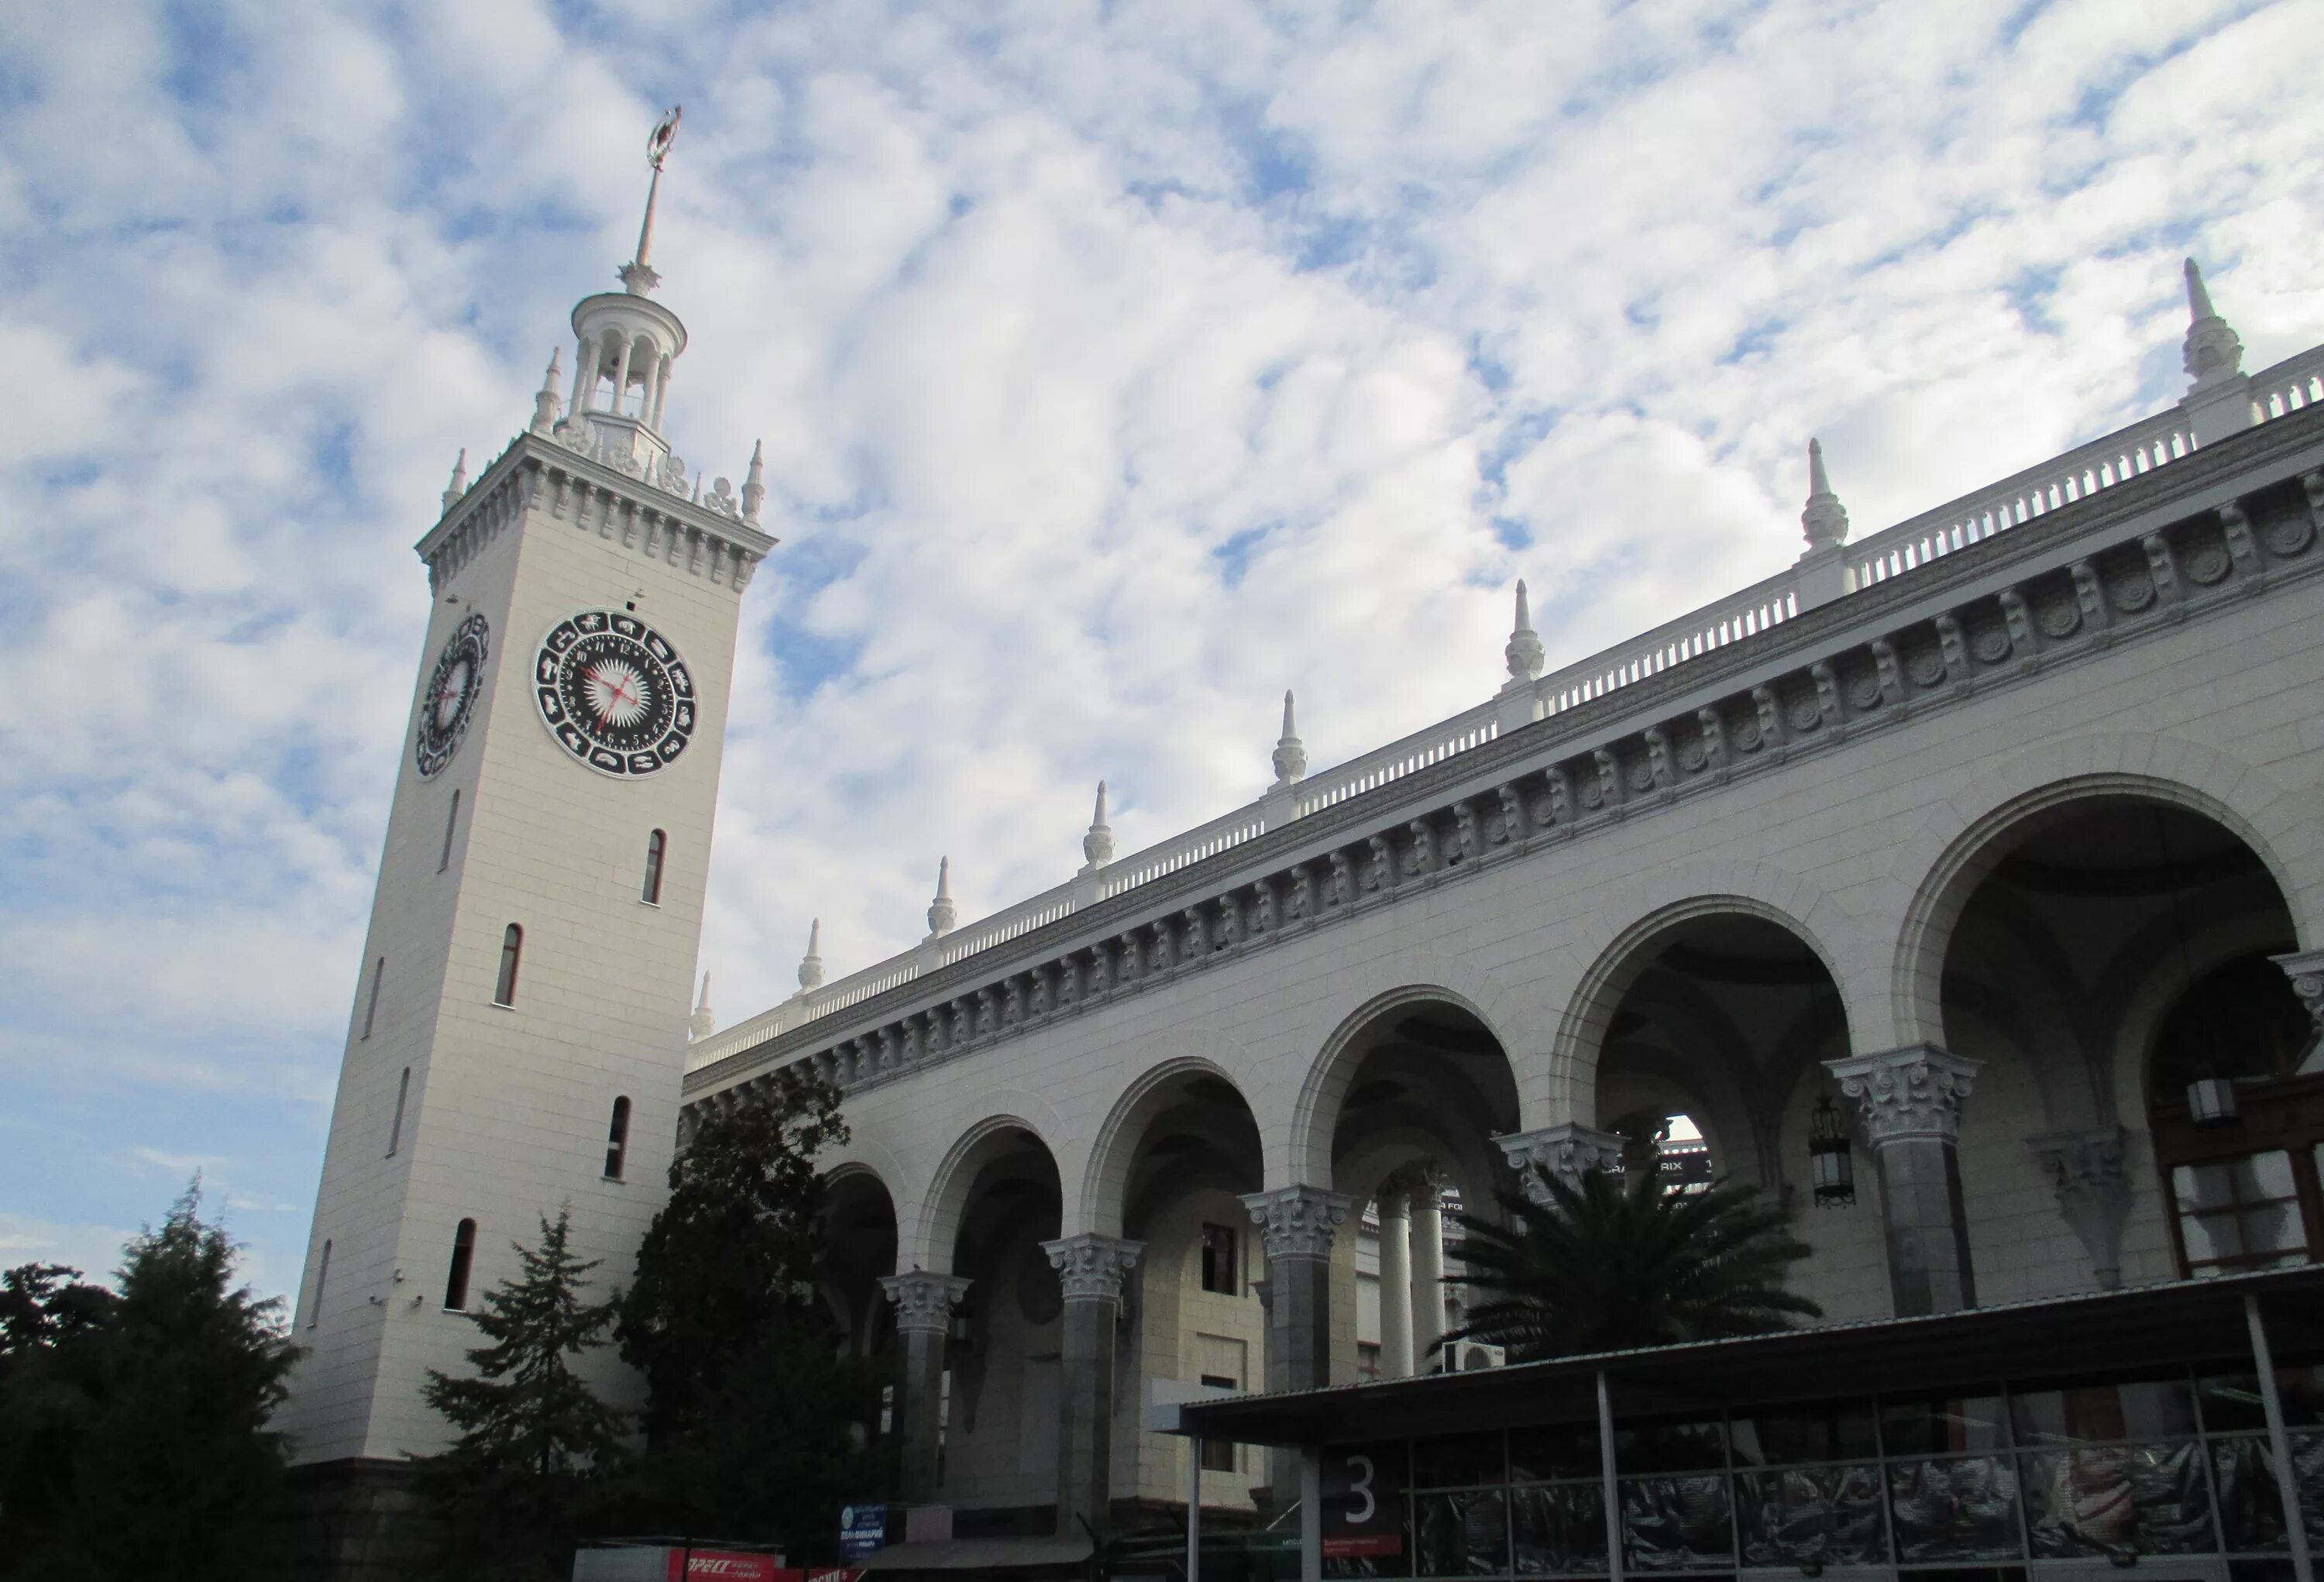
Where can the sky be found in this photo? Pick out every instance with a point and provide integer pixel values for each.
(1119, 365)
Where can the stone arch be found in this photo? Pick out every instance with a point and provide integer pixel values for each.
(1957, 844)
(1096, 1177)
(926, 1242)
(866, 1156)
(1680, 894)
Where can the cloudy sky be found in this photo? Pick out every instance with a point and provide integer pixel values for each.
(1119, 365)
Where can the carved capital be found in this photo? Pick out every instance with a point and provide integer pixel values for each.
(1915, 1091)
(1091, 1267)
(924, 1301)
(2086, 1168)
(2305, 968)
(1567, 1151)
(1296, 1222)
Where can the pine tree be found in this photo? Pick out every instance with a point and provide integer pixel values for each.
(1625, 1260)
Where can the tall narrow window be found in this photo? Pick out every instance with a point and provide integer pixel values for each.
(451, 822)
(1220, 1271)
(395, 1128)
(322, 1278)
(371, 1005)
(512, 948)
(656, 845)
(464, 1253)
(617, 1140)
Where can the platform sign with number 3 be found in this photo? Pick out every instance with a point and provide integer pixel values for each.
(1363, 1511)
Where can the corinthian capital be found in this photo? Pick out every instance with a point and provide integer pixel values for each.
(1567, 1151)
(2087, 1171)
(2305, 968)
(1915, 1091)
(1296, 1222)
(924, 1301)
(1093, 1267)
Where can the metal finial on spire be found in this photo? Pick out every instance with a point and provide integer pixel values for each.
(1523, 654)
(754, 483)
(703, 1022)
(1825, 520)
(2214, 353)
(1097, 845)
(1290, 753)
(546, 405)
(941, 913)
(810, 968)
(459, 483)
(638, 275)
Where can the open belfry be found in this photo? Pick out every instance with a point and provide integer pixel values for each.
(1961, 886)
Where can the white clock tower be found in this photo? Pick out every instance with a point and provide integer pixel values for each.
(520, 1020)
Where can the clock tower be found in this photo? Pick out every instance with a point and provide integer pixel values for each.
(519, 1025)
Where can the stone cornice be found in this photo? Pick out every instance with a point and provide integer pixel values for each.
(2060, 589)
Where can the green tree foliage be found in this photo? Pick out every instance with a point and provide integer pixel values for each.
(132, 1427)
(1625, 1260)
(758, 1424)
(535, 1442)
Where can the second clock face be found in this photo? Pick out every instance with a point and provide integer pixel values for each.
(451, 699)
(614, 693)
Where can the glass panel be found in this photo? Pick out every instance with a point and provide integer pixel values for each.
(2251, 1512)
(1959, 1510)
(1462, 1534)
(2307, 1476)
(2211, 1236)
(1670, 1446)
(1559, 1530)
(2203, 1186)
(2231, 1401)
(1567, 1451)
(1457, 1461)
(1935, 1427)
(2263, 1175)
(1677, 1523)
(2136, 1499)
(2079, 1414)
(2273, 1227)
(1842, 1431)
(1826, 1513)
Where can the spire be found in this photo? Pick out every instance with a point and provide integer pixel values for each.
(701, 1024)
(546, 404)
(1290, 753)
(1524, 651)
(1097, 845)
(810, 972)
(2214, 353)
(459, 483)
(1825, 520)
(754, 483)
(638, 276)
(941, 913)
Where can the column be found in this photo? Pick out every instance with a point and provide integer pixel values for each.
(584, 380)
(1295, 1230)
(662, 371)
(1395, 1285)
(1090, 1270)
(621, 375)
(2086, 1170)
(923, 1305)
(1427, 1274)
(1909, 1101)
(1567, 1151)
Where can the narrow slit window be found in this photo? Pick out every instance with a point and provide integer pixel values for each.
(464, 1254)
(395, 1127)
(657, 844)
(322, 1278)
(511, 952)
(451, 822)
(371, 1005)
(617, 1140)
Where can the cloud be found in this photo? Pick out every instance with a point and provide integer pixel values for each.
(1117, 368)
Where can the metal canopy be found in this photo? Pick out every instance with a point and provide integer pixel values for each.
(2191, 1321)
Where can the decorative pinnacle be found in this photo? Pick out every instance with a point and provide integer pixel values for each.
(2214, 352)
(638, 276)
(1290, 753)
(810, 971)
(701, 1024)
(941, 913)
(546, 405)
(459, 483)
(1825, 520)
(1097, 845)
(1524, 651)
(754, 483)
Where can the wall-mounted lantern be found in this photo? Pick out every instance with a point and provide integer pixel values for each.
(1831, 1169)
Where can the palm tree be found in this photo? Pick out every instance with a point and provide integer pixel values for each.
(1625, 1260)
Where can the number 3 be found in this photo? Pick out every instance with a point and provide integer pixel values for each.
(1364, 1486)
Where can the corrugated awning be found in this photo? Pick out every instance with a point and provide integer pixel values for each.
(2190, 1321)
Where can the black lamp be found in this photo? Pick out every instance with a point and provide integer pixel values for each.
(1831, 1169)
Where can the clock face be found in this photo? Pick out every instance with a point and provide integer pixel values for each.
(614, 693)
(451, 698)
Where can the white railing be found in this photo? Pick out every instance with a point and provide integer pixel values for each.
(2288, 386)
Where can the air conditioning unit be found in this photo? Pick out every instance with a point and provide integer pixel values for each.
(1466, 1356)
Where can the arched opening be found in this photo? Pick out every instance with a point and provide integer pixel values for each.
(617, 1140)
(657, 848)
(455, 1278)
(511, 954)
(859, 1247)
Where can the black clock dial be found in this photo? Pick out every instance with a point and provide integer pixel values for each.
(451, 698)
(614, 693)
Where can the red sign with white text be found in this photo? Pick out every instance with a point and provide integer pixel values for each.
(710, 1565)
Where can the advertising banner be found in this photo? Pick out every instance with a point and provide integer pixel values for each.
(710, 1565)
